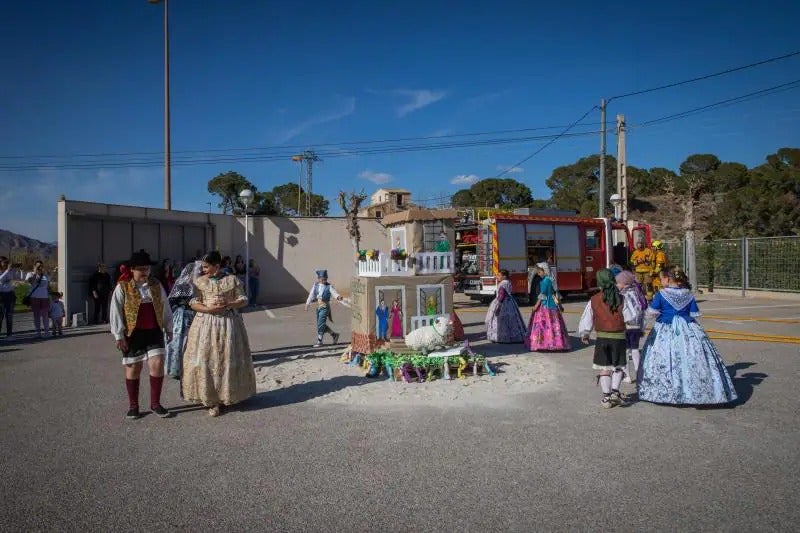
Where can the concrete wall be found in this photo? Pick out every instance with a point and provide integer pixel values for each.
(288, 250)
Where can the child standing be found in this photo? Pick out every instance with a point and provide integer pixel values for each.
(57, 313)
(633, 307)
(680, 365)
(603, 314)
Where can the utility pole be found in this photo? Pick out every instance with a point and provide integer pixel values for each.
(622, 167)
(601, 187)
(309, 157)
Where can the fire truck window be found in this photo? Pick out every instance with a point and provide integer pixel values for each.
(592, 239)
(539, 251)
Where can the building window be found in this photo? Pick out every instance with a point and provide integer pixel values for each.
(399, 199)
(378, 214)
(430, 234)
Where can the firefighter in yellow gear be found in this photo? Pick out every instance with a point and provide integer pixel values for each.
(660, 263)
(642, 261)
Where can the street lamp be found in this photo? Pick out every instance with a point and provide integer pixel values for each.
(246, 197)
(616, 201)
(167, 177)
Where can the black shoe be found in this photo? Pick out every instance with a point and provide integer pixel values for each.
(335, 337)
(161, 412)
(133, 413)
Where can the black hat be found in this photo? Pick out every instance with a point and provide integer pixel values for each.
(140, 258)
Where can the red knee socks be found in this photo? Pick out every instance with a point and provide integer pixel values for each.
(155, 391)
(132, 385)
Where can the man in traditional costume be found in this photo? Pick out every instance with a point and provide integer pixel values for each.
(140, 319)
(321, 292)
(642, 261)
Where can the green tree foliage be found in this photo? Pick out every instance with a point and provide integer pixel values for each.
(285, 197)
(767, 201)
(227, 186)
(489, 192)
(280, 201)
(575, 186)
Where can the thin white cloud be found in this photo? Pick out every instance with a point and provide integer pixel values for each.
(379, 178)
(441, 133)
(418, 99)
(487, 98)
(465, 179)
(512, 170)
(346, 109)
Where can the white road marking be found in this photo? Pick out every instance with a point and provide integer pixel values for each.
(704, 309)
(269, 312)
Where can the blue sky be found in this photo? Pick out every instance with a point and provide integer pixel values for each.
(87, 78)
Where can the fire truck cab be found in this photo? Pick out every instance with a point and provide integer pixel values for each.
(576, 247)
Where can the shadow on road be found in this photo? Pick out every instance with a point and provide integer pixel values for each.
(277, 356)
(301, 392)
(744, 383)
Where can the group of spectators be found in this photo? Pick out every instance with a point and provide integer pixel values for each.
(101, 284)
(45, 303)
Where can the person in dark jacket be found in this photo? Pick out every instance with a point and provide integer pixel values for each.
(100, 290)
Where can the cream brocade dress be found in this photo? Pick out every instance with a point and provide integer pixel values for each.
(217, 363)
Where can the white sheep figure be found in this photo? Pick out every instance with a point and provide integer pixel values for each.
(430, 338)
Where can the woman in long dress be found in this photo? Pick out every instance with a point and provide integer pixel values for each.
(217, 363)
(546, 328)
(504, 323)
(182, 316)
(680, 364)
(397, 320)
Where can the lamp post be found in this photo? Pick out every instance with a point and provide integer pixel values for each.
(616, 201)
(167, 171)
(246, 197)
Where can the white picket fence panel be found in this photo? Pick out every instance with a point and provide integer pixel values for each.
(384, 266)
(435, 263)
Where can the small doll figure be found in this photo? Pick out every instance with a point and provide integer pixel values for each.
(397, 319)
(382, 312)
(443, 244)
(431, 305)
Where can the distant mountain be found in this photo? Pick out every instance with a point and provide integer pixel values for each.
(13, 245)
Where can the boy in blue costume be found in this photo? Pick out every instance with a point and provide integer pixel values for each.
(321, 292)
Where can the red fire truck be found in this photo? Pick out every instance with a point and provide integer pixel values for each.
(576, 246)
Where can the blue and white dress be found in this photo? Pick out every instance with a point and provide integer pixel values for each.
(680, 364)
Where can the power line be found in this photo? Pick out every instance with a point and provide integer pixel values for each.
(706, 77)
(279, 157)
(554, 139)
(294, 148)
(722, 103)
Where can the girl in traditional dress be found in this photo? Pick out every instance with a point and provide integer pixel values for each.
(546, 328)
(633, 307)
(603, 314)
(680, 364)
(217, 363)
(504, 323)
(397, 319)
(182, 315)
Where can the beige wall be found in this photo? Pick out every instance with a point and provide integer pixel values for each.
(288, 250)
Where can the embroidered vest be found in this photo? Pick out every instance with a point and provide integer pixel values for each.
(323, 296)
(133, 300)
(604, 320)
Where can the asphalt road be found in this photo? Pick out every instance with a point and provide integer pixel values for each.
(554, 461)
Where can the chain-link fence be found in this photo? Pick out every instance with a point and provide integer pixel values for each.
(760, 263)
